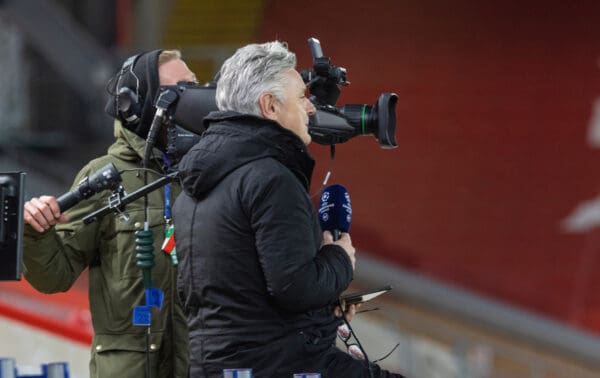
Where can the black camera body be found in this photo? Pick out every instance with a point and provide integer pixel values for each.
(330, 125)
(334, 125)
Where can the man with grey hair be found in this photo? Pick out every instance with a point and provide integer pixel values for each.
(258, 279)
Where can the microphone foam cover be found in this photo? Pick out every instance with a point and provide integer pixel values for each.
(335, 209)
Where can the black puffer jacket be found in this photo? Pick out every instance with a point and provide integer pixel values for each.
(256, 286)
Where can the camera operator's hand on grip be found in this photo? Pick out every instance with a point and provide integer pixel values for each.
(42, 213)
(344, 241)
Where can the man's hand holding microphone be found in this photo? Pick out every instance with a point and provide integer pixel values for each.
(335, 215)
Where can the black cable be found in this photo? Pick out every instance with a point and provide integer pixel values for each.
(358, 342)
(148, 370)
(150, 142)
(165, 100)
(388, 353)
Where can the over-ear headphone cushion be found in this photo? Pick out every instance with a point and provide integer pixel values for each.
(128, 105)
(133, 92)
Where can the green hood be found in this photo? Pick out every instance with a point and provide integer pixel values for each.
(128, 146)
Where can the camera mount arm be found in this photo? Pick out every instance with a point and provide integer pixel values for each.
(325, 79)
(119, 205)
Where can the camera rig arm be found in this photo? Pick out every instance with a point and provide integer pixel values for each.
(118, 205)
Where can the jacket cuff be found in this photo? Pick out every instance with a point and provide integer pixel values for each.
(30, 233)
(39, 248)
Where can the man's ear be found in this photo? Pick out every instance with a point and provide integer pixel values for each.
(269, 106)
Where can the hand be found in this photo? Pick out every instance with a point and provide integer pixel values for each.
(42, 213)
(343, 329)
(344, 241)
(349, 311)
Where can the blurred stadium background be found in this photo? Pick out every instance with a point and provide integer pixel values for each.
(485, 219)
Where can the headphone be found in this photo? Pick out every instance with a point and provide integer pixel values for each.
(127, 100)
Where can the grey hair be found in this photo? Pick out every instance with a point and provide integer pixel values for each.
(253, 70)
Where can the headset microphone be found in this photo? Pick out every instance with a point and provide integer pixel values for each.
(335, 210)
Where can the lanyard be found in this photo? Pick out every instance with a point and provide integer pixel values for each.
(167, 208)
(168, 246)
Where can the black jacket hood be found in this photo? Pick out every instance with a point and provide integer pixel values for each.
(233, 139)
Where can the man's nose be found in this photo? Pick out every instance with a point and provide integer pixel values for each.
(310, 108)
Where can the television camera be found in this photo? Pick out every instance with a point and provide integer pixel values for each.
(329, 126)
(334, 125)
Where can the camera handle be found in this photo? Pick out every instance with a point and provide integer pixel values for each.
(325, 79)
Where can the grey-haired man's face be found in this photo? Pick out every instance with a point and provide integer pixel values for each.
(295, 107)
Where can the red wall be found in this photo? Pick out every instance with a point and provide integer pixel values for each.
(494, 104)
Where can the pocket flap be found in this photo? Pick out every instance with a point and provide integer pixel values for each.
(133, 342)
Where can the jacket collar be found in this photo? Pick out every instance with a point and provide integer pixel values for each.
(129, 146)
(234, 139)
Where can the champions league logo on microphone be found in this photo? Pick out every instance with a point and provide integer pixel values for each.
(325, 207)
(335, 209)
(348, 207)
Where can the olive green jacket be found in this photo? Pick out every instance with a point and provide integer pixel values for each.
(53, 260)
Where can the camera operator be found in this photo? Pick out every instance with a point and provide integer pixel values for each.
(58, 247)
(257, 278)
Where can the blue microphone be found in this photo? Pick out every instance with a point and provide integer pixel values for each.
(335, 210)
